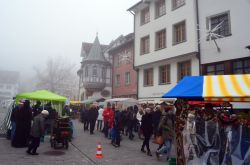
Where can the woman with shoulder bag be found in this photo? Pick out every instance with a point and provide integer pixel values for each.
(167, 128)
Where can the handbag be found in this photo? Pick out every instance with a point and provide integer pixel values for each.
(158, 140)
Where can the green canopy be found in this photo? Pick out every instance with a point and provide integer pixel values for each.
(42, 95)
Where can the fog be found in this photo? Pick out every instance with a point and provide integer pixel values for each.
(31, 31)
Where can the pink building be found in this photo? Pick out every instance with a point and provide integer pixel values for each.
(124, 81)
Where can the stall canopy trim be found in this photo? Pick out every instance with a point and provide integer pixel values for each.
(235, 88)
(42, 95)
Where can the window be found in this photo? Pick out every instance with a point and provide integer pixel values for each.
(241, 67)
(177, 3)
(164, 74)
(103, 73)
(184, 69)
(160, 39)
(127, 78)
(94, 71)
(120, 59)
(145, 16)
(145, 45)
(86, 71)
(127, 56)
(117, 80)
(160, 8)
(222, 23)
(179, 32)
(116, 61)
(148, 77)
(215, 69)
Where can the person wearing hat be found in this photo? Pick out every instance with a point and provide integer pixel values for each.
(37, 131)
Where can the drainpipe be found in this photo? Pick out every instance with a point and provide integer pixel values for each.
(198, 55)
(137, 70)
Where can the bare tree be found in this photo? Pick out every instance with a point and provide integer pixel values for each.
(59, 75)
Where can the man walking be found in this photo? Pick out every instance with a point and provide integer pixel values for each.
(92, 115)
(37, 131)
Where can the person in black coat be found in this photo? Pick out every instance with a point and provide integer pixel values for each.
(117, 127)
(92, 116)
(23, 117)
(147, 130)
(156, 117)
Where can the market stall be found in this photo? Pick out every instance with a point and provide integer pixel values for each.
(210, 131)
(44, 96)
(122, 102)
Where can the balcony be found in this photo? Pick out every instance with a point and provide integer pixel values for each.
(93, 83)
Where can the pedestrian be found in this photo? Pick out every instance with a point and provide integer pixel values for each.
(36, 109)
(23, 117)
(167, 128)
(130, 122)
(100, 118)
(147, 130)
(50, 120)
(108, 118)
(139, 118)
(116, 139)
(92, 116)
(13, 118)
(37, 131)
(156, 117)
(85, 119)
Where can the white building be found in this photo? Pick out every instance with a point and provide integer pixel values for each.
(232, 19)
(166, 46)
(9, 84)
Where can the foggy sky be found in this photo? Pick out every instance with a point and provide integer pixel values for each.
(33, 30)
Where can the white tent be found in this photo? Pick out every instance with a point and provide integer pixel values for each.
(122, 102)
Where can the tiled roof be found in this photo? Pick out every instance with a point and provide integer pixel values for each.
(9, 77)
(95, 53)
(86, 48)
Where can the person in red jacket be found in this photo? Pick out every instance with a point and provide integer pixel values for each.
(108, 118)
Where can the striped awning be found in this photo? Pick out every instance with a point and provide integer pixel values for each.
(213, 88)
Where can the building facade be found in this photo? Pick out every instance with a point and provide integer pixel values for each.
(95, 71)
(166, 46)
(9, 84)
(226, 50)
(124, 81)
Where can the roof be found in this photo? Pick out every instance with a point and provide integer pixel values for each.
(87, 46)
(213, 88)
(95, 53)
(140, 5)
(134, 6)
(9, 77)
(42, 95)
(122, 41)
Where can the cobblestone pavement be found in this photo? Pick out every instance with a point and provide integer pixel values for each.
(81, 151)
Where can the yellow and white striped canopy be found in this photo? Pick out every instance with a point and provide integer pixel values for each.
(227, 88)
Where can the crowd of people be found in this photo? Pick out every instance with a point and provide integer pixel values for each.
(147, 121)
(28, 124)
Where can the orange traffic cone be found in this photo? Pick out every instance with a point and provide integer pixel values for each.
(99, 151)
